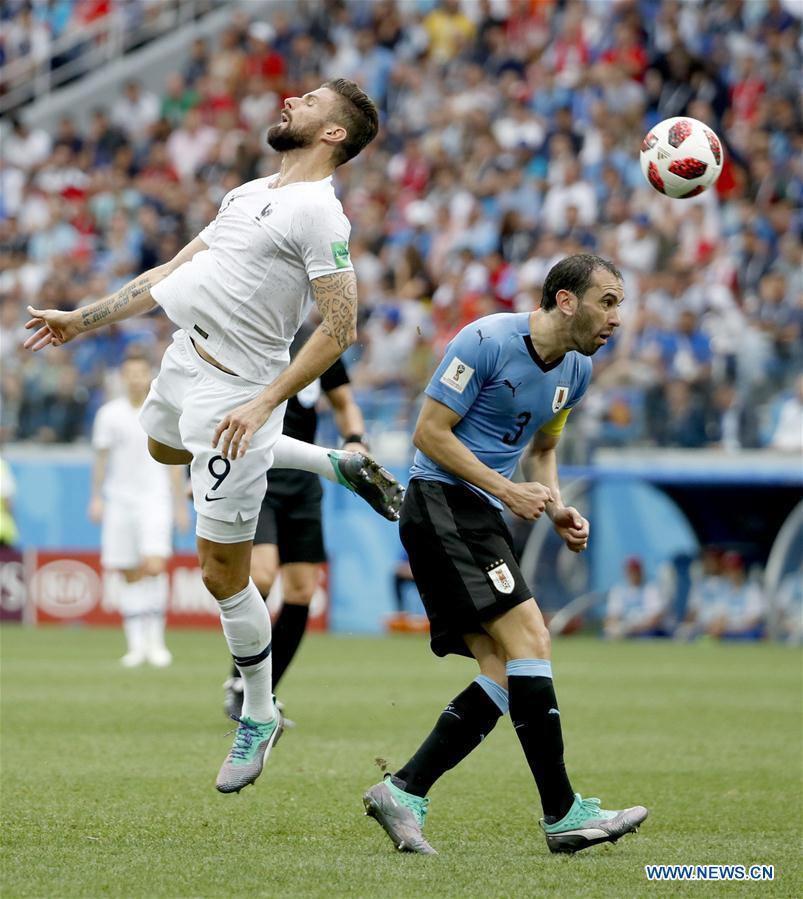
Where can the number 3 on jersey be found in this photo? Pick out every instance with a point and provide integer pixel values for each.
(522, 420)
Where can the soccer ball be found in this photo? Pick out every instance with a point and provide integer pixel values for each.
(681, 157)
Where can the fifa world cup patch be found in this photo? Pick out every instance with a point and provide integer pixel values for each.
(560, 397)
(457, 375)
(340, 252)
(500, 576)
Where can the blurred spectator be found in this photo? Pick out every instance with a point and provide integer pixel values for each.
(191, 144)
(677, 417)
(177, 100)
(135, 111)
(26, 148)
(26, 39)
(105, 139)
(732, 423)
(637, 607)
(707, 586)
(388, 344)
(449, 30)
(788, 432)
(730, 608)
(197, 66)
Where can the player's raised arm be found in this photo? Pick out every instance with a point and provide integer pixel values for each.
(55, 327)
(336, 298)
(434, 436)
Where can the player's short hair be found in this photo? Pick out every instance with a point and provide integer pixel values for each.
(357, 113)
(573, 273)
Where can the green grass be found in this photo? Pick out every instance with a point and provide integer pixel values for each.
(108, 775)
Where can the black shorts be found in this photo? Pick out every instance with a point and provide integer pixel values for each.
(290, 517)
(462, 557)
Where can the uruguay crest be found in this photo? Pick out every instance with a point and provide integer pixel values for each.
(560, 397)
(501, 577)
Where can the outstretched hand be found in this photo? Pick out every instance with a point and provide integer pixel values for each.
(572, 528)
(55, 328)
(239, 426)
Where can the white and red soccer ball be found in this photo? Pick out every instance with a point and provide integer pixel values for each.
(681, 157)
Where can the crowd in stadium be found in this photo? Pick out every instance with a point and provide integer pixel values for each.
(510, 138)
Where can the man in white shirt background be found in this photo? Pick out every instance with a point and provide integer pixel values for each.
(136, 500)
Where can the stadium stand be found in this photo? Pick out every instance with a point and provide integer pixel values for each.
(510, 138)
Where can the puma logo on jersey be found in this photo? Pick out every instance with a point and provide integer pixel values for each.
(482, 336)
(512, 388)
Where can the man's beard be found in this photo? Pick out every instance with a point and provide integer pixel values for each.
(283, 138)
(582, 334)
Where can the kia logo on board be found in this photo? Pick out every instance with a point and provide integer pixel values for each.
(66, 588)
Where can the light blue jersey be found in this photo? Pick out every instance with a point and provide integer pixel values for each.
(492, 375)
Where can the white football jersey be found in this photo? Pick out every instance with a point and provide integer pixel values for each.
(245, 297)
(132, 475)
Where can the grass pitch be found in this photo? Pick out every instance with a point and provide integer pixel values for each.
(108, 775)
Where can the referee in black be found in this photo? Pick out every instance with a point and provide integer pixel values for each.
(289, 536)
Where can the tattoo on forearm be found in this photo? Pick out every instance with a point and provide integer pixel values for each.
(336, 298)
(101, 310)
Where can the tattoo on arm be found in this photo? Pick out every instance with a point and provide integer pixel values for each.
(98, 312)
(336, 298)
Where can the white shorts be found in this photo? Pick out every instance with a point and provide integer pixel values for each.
(186, 403)
(134, 530)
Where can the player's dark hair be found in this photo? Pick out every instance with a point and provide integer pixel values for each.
(573, 273)
(356, 112)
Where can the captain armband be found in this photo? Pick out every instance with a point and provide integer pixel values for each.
(554, 428)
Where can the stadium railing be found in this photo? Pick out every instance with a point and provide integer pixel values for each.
(84, 49)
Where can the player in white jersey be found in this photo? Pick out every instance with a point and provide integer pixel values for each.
(134, 497)
(238, 293)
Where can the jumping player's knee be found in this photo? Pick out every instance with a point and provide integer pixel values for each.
(220, 577)
(168, 455)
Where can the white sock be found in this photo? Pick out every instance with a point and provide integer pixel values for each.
(291, 453)
(246, 624)
(133, 601)
(157, 594)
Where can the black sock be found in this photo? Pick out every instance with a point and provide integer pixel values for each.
(532, 699)
(287, 633)
(462, 725)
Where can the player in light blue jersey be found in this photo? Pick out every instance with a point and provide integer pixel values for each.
(493, 376)
(506, 382)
